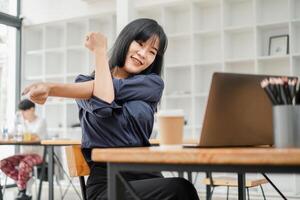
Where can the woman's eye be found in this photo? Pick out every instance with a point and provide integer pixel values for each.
(140, 43)
(152, 52)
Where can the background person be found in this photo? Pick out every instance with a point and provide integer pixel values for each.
(19, 167)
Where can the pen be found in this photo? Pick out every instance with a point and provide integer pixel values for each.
(287, 90)
(282, 91)
(292, 87)
(297, 95)
(276, 89)
(266, 86)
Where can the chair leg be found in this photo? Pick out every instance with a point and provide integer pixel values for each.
(227, 195)
(274, 186)
(1, 195)
(4, 187)
(248, 193)
(211, 193)
(262, 191)
(83, 188)
(59, 186)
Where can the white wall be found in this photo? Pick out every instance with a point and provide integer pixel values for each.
(43, 11)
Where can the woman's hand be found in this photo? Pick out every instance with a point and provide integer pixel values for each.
(37, 92)
(95, 41)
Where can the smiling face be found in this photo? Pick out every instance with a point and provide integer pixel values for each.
(139, 57)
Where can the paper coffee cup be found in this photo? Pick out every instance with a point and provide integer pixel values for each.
(170, 127)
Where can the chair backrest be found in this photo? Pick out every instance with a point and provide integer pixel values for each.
(76, 162)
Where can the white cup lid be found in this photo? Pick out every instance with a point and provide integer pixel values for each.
(171, 113)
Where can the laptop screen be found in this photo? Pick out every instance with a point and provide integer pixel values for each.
(238, 112)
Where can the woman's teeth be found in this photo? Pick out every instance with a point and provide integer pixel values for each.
(136, 61)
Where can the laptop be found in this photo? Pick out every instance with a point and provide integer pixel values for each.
(238, 113)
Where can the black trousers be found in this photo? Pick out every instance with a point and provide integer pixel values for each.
(148, 186)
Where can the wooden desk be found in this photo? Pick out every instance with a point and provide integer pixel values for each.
(239, 160)
(62, 142)
(14, 142)
(49, 145)
(155, 141)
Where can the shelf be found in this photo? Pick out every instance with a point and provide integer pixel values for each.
(295, 6)
(296, 65)
(34, 63)
(274, 65)
(246, 66)
(295, 37)
(200, 105)
(54, 50)
(33, 39)
(34, 78)
(58, 77)
(272, 58)
(77, 61)
(179, 51)
(272, 10)
(239, 60)
(178, 81)
(54, 36)
(151, 13)
(54, 62)
(178, 95)
(208, 63)
(265, 32)
(177, 18)
(277, 24)
(54, 116)
(211, 32)
(104, 25)
(76, 48)
(239, 44)
(207, 48)
(206, 15)
(72, 115)
(179, 36)
(201, 95)
(238, 29)
(238, 12)
(34, 53)
(203, 75)
(71, 79)
(76, 32)
(176, 66)
(296, 55)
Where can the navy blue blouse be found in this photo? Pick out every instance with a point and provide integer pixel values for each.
(128, 120)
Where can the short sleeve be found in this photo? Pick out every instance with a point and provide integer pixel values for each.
(95, 105)
(147, 88)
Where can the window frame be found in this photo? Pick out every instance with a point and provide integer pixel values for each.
(16, 22)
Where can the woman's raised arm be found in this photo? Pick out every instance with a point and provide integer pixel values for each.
(103, 85)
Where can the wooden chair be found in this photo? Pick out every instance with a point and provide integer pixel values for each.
(77, 166)
(232, 182)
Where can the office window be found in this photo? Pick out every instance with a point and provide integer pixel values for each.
(8, 7)
(7, 82)
(7, 70)
(8, 65)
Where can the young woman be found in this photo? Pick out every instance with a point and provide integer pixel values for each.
(117, 105)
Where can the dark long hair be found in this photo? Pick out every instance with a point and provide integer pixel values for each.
(139, 30)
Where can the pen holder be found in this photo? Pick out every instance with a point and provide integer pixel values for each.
(286, 126)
